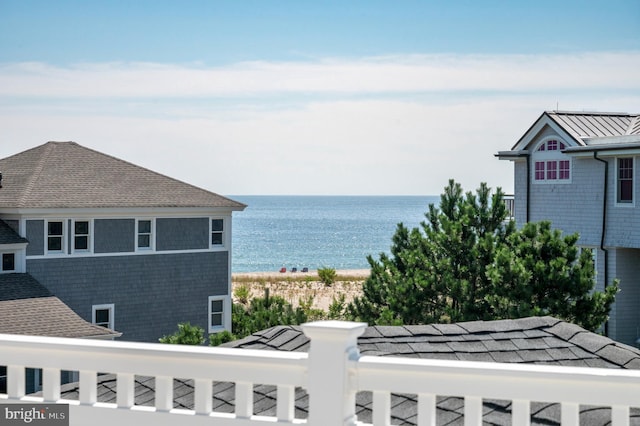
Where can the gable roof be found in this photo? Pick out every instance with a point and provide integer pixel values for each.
(8, 235)
(28, 308)
(69, 175)
(582, 128)
(537, 340)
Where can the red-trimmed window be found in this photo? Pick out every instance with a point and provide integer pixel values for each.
(564, 170)
(548, 164)
(552, 170)
(539, 170)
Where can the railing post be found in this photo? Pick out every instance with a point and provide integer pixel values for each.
(331, 391)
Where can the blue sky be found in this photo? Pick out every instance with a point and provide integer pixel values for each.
(331, 97)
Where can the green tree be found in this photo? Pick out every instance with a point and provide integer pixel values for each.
(466, 262)
(187, 334)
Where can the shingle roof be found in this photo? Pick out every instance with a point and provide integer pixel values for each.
(68, 175)
(27, 307)
(537, 340)
(8, 235)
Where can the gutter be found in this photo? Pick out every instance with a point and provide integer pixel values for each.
(604, 227)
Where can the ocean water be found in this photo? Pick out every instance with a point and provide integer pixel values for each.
(319, 231)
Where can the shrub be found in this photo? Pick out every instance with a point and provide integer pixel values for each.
(327, 275)
(187, 334)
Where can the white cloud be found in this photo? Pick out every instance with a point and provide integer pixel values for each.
(393, 74)
(392, 125)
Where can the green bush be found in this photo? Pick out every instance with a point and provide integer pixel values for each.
(187, 334)
(327, 275)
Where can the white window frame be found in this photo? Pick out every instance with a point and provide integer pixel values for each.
(224, 233)
(89, 236)
(63, 244)
(225, 314)
(16, 265)
(632, 203)
(555, 156)
(152, 234)
(108, 306)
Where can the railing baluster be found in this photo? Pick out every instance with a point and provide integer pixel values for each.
(381, 408)
(88, 387)
(286, 403)
(203, 395)
(521, 412)
(164, 393)
(472, 411)
(426, 410)
(51, 384)
(244, 399)
(15, 381)
(125, 390)
(570, 414)
(620, 415)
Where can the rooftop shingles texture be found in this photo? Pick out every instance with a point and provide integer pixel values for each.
(28, 308)
(8, 235)
(68, 175)
(547, 340)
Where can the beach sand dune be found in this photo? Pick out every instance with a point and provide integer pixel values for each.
(296, 286)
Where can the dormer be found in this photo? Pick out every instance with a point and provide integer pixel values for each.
(13, 249)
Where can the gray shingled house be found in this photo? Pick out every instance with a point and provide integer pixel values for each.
(578, 170)
(536, 340)
(124, 247)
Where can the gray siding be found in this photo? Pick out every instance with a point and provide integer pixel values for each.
(626, 321)
(182, 234)
(35, 235)
(114, 235)
(151, 293)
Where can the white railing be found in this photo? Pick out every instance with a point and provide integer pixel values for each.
(332, 373)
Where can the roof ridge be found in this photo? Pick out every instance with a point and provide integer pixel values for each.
(33, 177)
(560, 112)
(150, 171)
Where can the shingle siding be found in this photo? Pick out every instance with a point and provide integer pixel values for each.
(182, 233)
(114, 235)
(35, 235)
(177, 286)
(626, 267)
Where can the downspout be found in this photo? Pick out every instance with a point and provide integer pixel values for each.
(528, 187)
(604, 227)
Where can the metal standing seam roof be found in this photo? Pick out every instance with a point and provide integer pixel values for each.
(69, 175)
(28, 308)
(536, 340)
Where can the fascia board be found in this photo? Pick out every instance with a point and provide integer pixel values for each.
(537, 127)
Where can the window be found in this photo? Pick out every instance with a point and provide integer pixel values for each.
(625, 180)
(102, 315)
(549, 165)
(8, 262)
(217, 232)
(144, 235)
(216, 313)
(55, 236)
(81, 235)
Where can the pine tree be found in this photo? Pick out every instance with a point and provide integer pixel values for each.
(467, 262)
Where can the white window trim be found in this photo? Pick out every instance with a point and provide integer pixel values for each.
(225, 233)
(226, 314)
(89, 248)
(152, 237)
(633, 183)
(546, 156)
(16, 262)
(112, 311)
(63, 250)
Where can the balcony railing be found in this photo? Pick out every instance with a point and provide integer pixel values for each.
(332, 373)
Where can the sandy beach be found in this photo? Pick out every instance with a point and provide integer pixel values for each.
(294, 286)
